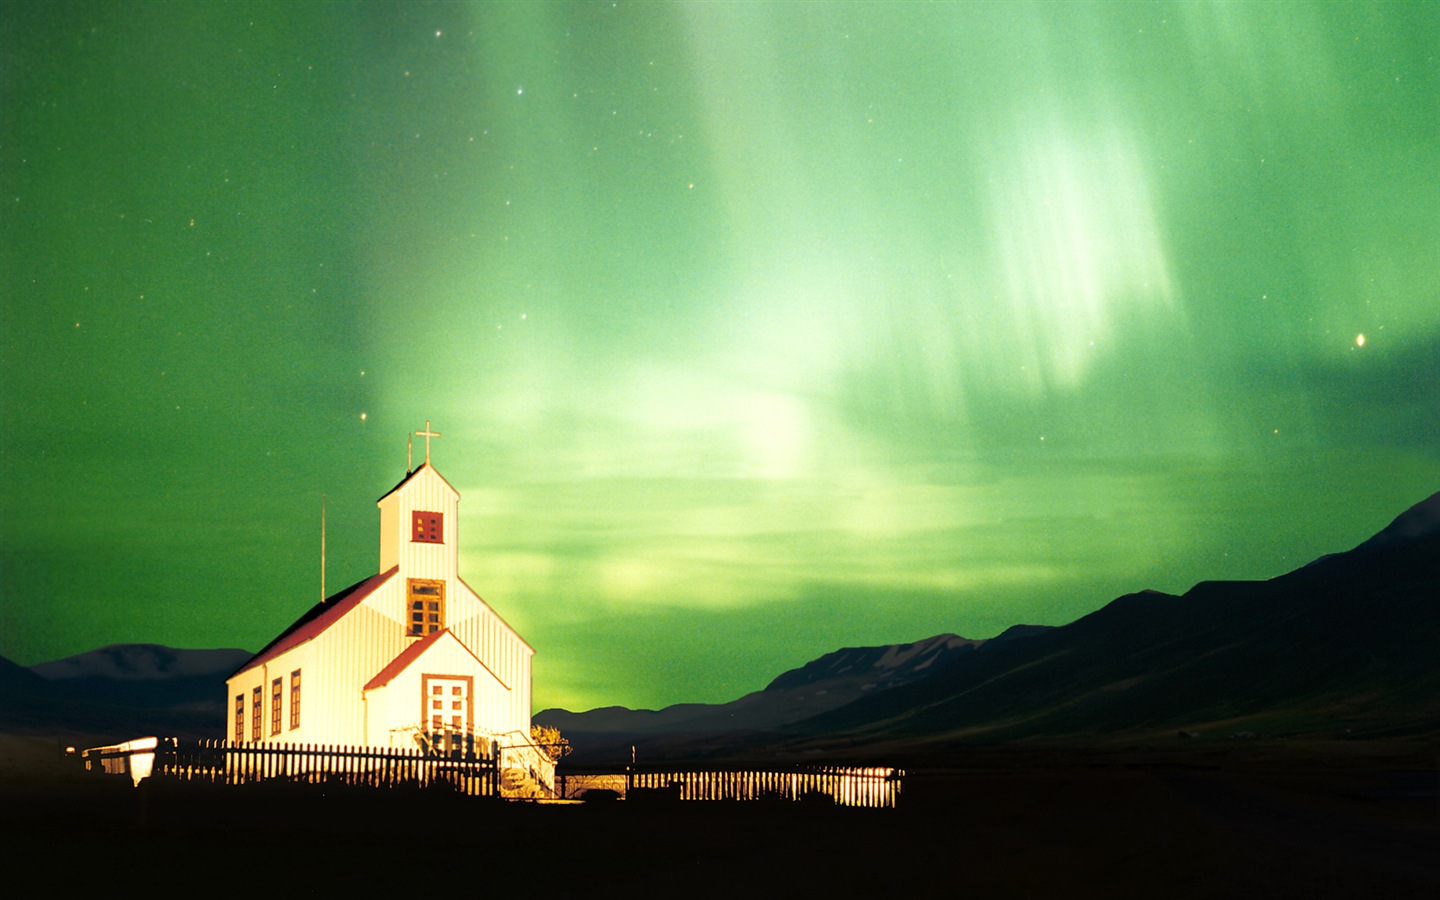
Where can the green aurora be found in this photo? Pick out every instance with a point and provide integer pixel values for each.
(752, 330)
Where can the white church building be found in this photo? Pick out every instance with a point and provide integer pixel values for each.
(410, 657)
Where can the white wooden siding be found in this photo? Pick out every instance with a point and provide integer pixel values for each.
(397, 708)
(426, 491)
(338, 662)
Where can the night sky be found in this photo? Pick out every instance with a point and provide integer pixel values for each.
(752, 331)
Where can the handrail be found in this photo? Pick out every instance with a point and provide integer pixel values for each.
(531, 758)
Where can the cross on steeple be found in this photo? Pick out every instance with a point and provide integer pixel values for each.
(427, 434)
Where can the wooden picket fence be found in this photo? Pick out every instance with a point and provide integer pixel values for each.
(225, 762)
(478, 774)
(873, 787)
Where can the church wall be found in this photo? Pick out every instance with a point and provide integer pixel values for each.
(262, 676)
(300, 659)
(351, 652)
(240, 685)
(398, 710)
(502, 650)
(390, 534)
(337, 662)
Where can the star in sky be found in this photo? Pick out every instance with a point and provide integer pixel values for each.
(966, 314)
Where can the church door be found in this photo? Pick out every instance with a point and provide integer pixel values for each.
(448, 704)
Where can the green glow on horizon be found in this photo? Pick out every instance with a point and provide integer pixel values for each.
(753, 330)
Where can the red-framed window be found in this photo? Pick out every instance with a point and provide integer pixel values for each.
(239, 718)
(425, 600)
(295, 699)
(276, 698)
(256, 696)
(428, 527)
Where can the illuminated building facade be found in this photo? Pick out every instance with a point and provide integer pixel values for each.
(409, 657)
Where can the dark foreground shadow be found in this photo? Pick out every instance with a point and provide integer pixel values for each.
(1051, 830)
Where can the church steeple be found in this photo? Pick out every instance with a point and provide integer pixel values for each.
(418, 521)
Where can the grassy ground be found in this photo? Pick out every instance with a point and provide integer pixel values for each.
(1266, 821)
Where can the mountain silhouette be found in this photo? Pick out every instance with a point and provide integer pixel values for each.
(1344, 645)
(120, 691)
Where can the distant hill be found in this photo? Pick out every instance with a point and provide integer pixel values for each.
(143, 662)
(1343, 646)
(830, 682)
(120, 691)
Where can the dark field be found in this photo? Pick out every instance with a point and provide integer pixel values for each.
(1264, 821)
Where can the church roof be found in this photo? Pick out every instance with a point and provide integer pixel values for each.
(318, 618)
(406, 657)
(515, 634)
(406, 480)
(414, 652)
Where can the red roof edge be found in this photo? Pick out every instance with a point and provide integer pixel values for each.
(318, 618)
(418, 649)
(406, 657)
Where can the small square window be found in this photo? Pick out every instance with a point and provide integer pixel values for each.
(428, 528)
